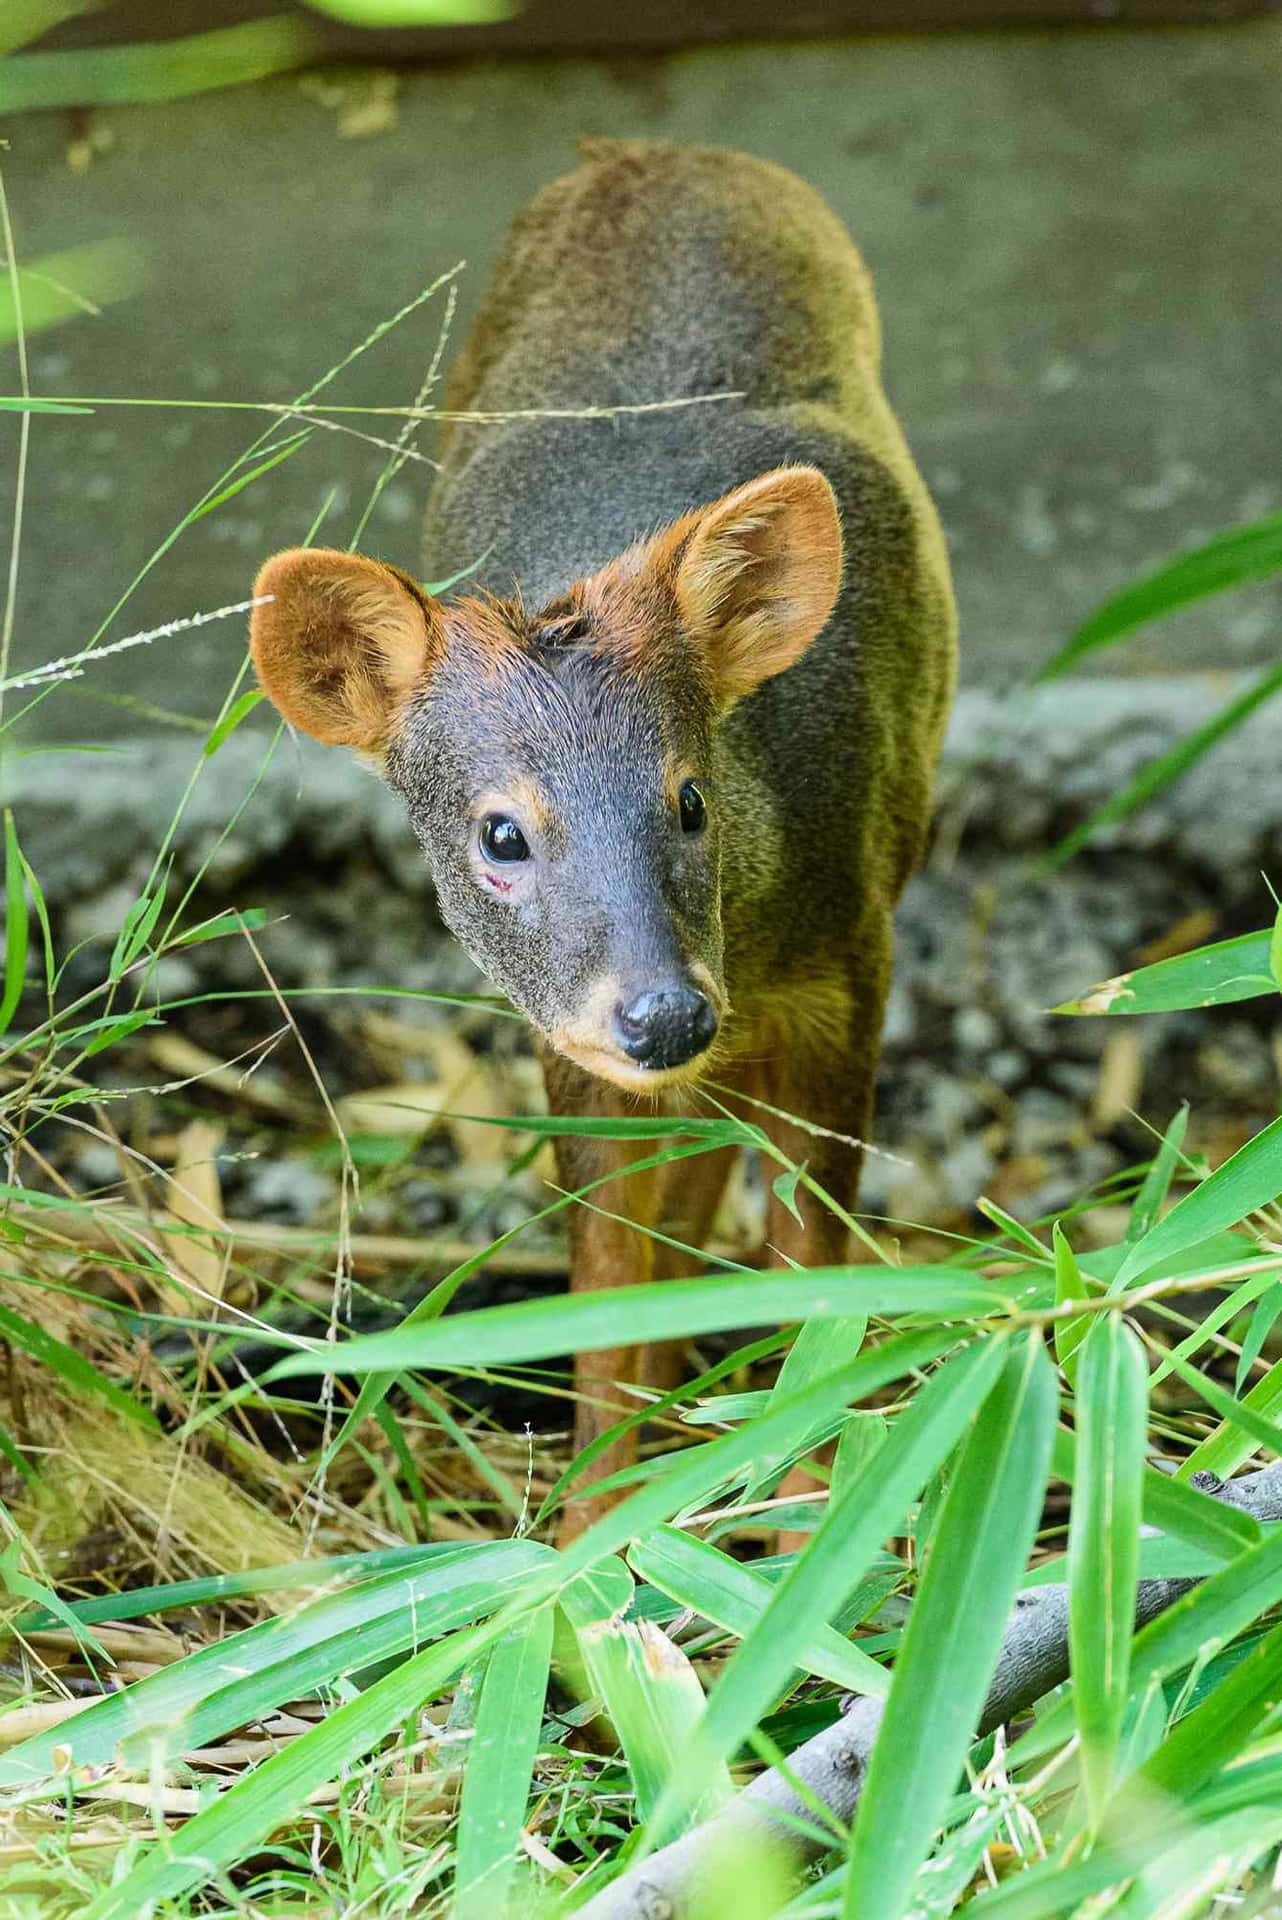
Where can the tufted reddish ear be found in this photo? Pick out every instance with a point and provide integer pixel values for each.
(759, 576)
(341, 644)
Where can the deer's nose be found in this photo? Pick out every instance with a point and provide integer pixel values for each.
(666, 1026)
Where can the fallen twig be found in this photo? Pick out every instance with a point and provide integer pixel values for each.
(674, 1882)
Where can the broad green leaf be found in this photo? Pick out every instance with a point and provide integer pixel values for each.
(820, 1346)
(1248, 1179)
(27, 20)
(21, 403)
(15, 924)
(296, 1575)
(1213, 1613)
(954, 1633)
(1245, 1424)
(1069, 1285)
(862, 1435)
(1103, 1543)
(22, 1585)
(147, 70)
(1231, 559)
(1224, 1311)
(1213, 1735)
(237, 1679)
(733, 1596)
(671, 1309)
(1207, 977)
(500, 1766)
(62, 286)
(1267, 1309)
(696, 1472)
(838, 1555)
(1275, 950)
(271, 1793)
(654, 1700)
(418, 13)
(1063, 1886)
(1212, 1526)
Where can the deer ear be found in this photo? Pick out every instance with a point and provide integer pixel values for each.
(759, 576)
(341, 644)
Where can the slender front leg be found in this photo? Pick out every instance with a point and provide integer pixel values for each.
(604, 1252)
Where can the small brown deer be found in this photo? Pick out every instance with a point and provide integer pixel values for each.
(670, 754)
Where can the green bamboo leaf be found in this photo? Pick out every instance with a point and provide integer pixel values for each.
(732, 1596)
(954, 1632)
(157, 69)
(417, 13)
(1267, 1309)
(1248, 1179)
(1103, 1543)
(238, 1679)
(1208, 977)
(862, 1435)
(654, 1700)
(500, 1766)
(838, 1555)
(1211, 1526)
(1069, 1285)
(1063, 1886)
(15, 935)
(1245, 1424)
(1231, 559)
(1151, 1197)
(1224, 1311)
(671, 1309)
(1214, 1613)
(271, 1793)
(1214, 1734)
(1275, 950)
(820, 1345)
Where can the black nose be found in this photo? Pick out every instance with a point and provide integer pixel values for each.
(666, 1026)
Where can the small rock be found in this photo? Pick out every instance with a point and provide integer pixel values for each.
(1007, 1067)
(291, 1191)
(1043, 1120)
(966, 1171)
(975, 1030)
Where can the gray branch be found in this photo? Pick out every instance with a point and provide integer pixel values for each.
(673, 1882)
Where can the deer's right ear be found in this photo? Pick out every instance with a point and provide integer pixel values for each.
(341, 644)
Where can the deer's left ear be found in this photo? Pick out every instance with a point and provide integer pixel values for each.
(759, 576)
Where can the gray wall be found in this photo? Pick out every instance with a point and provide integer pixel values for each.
(1075, 241)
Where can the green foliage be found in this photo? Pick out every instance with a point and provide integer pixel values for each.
(1233, 559)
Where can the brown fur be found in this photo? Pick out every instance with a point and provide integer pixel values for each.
(753, 595)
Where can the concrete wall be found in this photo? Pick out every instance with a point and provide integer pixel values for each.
(1075, 239)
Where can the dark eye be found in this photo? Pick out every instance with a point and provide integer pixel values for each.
(502, 839)
(694, 810)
